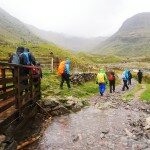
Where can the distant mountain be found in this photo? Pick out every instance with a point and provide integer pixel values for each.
(13, 30)
(67, 42)
(132, 39)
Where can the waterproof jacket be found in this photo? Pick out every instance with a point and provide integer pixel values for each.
(102, 72)
(125, 75)
(67, 67)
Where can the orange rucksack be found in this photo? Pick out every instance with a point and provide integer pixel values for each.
(61, 68)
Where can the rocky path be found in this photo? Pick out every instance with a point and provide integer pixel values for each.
(108, 124)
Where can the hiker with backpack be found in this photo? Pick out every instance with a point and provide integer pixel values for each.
(64, 72)
(102, 80)
(15, 57)
(125, 78)
(112, 79)
(130, 77)
(140, 76)
(27, 60)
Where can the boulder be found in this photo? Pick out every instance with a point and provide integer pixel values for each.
(51, 102)
(70, 104)
(76, 108)
(59, 110)
(2, 138)
(85, 103)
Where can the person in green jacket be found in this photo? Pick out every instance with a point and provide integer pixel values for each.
(102, 80)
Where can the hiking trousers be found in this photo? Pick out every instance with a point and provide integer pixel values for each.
(129, 81)
(112, 86)
(102, 88)
(140, 80)
(125, 85)
(65, 77)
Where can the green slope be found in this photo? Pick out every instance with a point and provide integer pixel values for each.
(132, 39)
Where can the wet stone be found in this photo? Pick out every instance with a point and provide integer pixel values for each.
(2, 138)
(147, 134)
(76, 108)
(51, 102)
(140, 146)
(60, 110)
(2, 146)
(102, 135)
(70, 104)
(75, 138)
(105, 131)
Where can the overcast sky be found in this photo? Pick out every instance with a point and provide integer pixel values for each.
(86, 18)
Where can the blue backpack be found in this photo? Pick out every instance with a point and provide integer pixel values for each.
(26, 58)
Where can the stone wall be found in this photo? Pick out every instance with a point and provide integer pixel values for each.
(80, 78)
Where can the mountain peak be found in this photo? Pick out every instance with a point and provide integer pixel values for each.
(132, 39)
(138, 21)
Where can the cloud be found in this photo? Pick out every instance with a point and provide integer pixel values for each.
(76, 17)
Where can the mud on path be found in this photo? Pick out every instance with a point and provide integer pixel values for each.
(108, 124)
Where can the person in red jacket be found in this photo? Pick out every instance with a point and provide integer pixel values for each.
(112, 79)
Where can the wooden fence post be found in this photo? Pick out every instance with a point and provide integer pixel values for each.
(52, 61)
(31, 85)
(3, 76)
(17, 88)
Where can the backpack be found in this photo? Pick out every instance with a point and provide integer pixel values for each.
(61, 68)
(130, 75)
(110, 77)
(101, 78)
(35, 71)
(123, 76)
(15, 59)
(26, 58)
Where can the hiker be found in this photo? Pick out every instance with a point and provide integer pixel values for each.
(112, 79)
(130, 77)
(15, 58)
(101, 80)
(125, 79)
(140, 76)
(27, 60)
(64, 72)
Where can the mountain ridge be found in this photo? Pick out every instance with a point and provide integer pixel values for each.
(132, 39)
(67, 41)
(13, 30)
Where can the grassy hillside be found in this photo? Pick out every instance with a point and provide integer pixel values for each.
(14, 31)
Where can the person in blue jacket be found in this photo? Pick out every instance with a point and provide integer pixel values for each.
(125, 78)
(66, 75)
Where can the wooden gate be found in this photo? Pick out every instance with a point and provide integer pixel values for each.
(17, 92)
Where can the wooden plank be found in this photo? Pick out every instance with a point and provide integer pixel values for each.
(6, 80)
(36, 83)
(4, 124)
(24, 78)
(36, 95)
(24, 87)
(36, 76)
(3, 108)
(25, 98)
(7, 94)
(9, 87)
